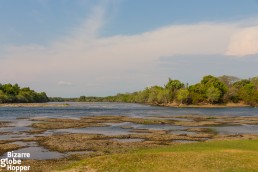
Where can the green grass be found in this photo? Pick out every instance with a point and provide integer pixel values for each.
(234, 155)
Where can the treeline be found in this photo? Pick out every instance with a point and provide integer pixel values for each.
(61, 99)
(80, 99)
(14, 94)
(210, 90)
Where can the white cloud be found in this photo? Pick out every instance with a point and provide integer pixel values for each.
(244, 42)
(117, 63)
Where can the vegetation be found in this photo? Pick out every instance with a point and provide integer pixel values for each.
(14, 94)
(210, 90)
(61, 99)
(226, 155)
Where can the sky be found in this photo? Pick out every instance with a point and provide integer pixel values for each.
(70, 48)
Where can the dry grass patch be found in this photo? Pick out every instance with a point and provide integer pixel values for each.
(5, 147)
(119, 119)
(59, 123)
(93, 142)
(4, 123)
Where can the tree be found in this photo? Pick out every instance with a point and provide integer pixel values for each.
(209, 90)
(3, 97)
(197, 93)
(142, 96)
(174, 85)
(209, 82)
(182, 95)
(228, 80)
(163, 96)
(241, 83)
(153, 95)
(213, 94)
(43, 97)
(248, 94)
(9, 89)
(254, 80)
(14, 94)
(231, 95)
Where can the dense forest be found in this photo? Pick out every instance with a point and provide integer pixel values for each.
(14, 94)
(210, 90)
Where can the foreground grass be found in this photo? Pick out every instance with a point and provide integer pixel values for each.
(226, 155)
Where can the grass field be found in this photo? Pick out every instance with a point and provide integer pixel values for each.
(226, 155)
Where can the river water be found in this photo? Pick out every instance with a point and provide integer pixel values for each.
(20, 122)
(76, 110)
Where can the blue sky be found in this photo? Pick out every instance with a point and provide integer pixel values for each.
(102, 47)
(41, 21)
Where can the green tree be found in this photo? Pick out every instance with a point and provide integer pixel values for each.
(182, 95)
(14, 94)
(174, 85)
(231, 95)
(209, 82)
(254, 80)
(241, 83)
(248, 94)
(142, 96)
(153, 95)
(10, 90)
(163, 96)
(197, 93)
(213, 94)
(3, 97)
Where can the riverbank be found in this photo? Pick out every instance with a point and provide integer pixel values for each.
(33, 104)
(227, 105)
(54, 104)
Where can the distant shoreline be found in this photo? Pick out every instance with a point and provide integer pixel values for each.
(48, 104)
(228, 105)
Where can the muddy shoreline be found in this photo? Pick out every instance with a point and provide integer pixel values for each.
(54, 104)
(33, 105)
(227, 105)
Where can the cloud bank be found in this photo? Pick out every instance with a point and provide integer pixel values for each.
(244, 42)
(106, 65)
